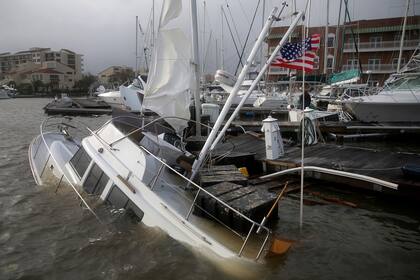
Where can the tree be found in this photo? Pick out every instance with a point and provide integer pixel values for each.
(85, 82)
(25, 88)
(37, 85)
(122, 76)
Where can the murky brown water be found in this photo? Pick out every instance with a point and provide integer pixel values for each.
(47, 235)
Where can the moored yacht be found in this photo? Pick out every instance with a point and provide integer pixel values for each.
(127, 97)
(398, 101)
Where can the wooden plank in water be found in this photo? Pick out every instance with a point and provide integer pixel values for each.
(222, 173)
(255, 205)
(251, 201)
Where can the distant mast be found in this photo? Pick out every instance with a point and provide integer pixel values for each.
(326, 40)
(195, 60)
(402, 37)
(137, 46)
(262, 26)
(222, 50)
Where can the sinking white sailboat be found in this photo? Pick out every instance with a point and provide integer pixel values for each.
(138, 164)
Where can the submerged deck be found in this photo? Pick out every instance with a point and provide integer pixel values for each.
(380, 164)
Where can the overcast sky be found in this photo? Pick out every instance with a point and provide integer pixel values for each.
(104, 30)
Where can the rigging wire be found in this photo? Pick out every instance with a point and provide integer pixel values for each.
(234, 24)
(243, 11)
(247, 36)
(233, 38)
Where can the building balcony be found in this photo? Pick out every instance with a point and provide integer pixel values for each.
(279, 71)
(382, 46)
(373, 68)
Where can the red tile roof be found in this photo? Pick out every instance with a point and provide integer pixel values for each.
(47, 71)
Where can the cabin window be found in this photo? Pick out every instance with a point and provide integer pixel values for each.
(80, 162)
(95, 181)
(119, 200)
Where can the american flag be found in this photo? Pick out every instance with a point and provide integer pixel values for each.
(299, 56)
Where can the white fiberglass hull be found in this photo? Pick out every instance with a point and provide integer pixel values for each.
(157, 198)
(384, 112)
(112, 98)
(4, 95)
(403, 106)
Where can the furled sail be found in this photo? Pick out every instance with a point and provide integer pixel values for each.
(170, 77)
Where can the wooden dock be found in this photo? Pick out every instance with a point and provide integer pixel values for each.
(79, 106)
(325, 126)
(380, 164)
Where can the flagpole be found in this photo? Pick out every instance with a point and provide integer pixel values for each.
(196, 68)
(257, 79)
(326, 39)
(302, 175)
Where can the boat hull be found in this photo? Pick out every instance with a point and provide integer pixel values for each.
(112, 98)
(384, 112)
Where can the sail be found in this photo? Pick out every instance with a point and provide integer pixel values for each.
(170, 77)
(170, 10)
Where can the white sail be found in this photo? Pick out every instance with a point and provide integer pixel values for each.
(170, 77)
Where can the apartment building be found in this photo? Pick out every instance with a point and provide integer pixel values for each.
(52, 73)
(64, 67)
(377, 42)
(115, 74)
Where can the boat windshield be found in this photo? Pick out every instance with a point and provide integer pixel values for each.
(405, 83)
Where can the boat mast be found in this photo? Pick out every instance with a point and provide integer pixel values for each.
(152, 45)
(258, 78)
(204, 151)
(402, 37)
(262, 26)
(195, 61)
(204, 39)
(222, 50)
(337, 29)
(137, 46)
(326, 39)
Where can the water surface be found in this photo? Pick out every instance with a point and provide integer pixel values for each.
(47, 235)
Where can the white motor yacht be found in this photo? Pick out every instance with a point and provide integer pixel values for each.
(4, 94)
(129, 97)
(398, 101)
(7, 92)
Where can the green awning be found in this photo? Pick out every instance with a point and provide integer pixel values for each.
(345, 77)
(382, 29)
(279, 36)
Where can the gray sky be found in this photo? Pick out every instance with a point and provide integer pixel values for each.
(104, 30)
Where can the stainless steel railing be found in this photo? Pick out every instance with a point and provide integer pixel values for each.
(253, 224)
(190, 183)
